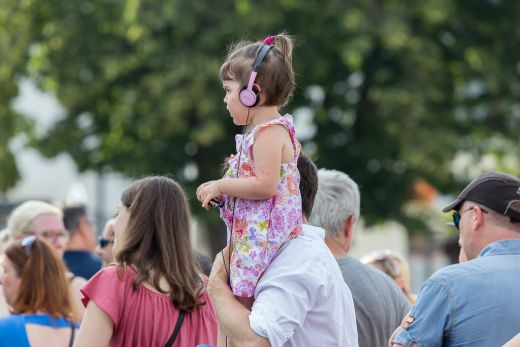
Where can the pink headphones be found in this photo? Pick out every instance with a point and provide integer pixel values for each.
(249, 96)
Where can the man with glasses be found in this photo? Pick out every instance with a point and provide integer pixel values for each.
(474, 303)
(106, 243)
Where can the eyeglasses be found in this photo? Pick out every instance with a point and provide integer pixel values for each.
(27, 244)
(457, 215)
(104, 242)
(50, 235)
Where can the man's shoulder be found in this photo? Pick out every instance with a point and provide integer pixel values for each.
(449, 274)
(466, 270)
(353, 268)
(306, 254)
(367, 283)
(308, 247)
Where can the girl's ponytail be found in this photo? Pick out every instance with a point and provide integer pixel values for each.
(284, 43)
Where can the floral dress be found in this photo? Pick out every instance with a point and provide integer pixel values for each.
(260, 227)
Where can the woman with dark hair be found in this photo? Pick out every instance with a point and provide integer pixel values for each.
(37, 289)
(155, 293)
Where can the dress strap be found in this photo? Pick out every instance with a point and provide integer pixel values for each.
(73, 332)
(285, 121)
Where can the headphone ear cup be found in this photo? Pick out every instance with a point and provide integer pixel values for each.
(248, 97)
(257, 95)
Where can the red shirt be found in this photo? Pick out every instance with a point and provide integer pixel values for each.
(144, 318)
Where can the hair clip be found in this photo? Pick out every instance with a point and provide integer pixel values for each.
(269, 40)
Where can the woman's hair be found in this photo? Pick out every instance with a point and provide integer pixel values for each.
(156, 241)
(275, 74)
(44, 285)
(20, 220)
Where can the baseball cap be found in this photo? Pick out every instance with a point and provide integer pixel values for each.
(495, 190)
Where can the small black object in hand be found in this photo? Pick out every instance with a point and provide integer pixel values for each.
(216, 203)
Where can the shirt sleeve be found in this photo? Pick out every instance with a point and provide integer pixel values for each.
(281, 304)
(107, 290)
(429, 319)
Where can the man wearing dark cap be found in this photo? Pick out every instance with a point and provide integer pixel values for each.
(475, 303)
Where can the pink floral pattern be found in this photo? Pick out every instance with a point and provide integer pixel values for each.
(261, 227)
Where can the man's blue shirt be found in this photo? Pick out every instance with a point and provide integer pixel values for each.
(82, 263)
(476, 303)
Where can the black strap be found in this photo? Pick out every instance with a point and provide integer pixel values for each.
(176, 330)
(73, 327)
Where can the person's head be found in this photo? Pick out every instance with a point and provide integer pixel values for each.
(395, 266)
(152, 234)
(336, 207)
(205, 263)
(105, 244)
(487, 210)
(41, 219)
(272, 86)
(82, 232)
(35, 280)
(308, 183)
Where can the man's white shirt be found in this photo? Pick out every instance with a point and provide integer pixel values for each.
(302, 299)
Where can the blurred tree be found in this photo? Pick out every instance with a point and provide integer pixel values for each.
(398, 90)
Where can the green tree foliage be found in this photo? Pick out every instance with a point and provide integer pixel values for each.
(398, 89)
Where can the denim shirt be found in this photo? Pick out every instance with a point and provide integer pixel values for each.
(476, 303)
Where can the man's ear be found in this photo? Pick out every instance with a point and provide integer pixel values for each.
(349, 226)
(479, 217)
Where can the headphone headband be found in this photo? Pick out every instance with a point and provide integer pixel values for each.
(261, 56)
(248, 96)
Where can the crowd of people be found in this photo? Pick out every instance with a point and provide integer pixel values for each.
(284, 279)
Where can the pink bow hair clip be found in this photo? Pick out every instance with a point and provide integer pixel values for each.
(269, 40)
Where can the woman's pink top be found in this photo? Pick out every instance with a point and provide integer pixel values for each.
(144, 318)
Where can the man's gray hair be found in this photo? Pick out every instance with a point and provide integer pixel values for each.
(337, 199)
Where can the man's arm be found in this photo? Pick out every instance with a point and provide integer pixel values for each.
(428, 319)
(396, 331)
(233, 317)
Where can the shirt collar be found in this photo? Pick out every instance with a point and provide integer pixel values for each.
(311, 230)
(501, 247)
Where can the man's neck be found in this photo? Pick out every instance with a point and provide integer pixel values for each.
(335, 247)
(76, 243)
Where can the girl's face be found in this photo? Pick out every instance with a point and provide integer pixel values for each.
(120, 222)
(9, 280)
(235, 108)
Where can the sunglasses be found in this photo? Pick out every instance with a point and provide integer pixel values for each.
(27, 244)
(104, 242)
(457, 215)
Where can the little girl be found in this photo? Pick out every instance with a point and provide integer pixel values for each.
(260, 189)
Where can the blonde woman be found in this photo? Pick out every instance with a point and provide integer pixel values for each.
(45, 221)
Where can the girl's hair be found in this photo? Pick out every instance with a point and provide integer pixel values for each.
(275, 74)
(44, 285)
(156, 241)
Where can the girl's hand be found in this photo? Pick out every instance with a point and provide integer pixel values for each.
(207, 191)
